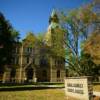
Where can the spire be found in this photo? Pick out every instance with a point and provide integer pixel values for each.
(53, 13)
(53, 17)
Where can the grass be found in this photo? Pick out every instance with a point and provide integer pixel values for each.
(46, 94)
(43, 94)
(96, 88)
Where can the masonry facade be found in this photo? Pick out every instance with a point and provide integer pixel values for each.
(37, 62)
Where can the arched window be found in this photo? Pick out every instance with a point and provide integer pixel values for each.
(58, 73)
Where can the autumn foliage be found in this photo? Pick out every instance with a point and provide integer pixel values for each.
(92, 47)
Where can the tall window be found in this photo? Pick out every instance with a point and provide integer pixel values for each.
(58, 73)
(29, 50)
(16, 50)
(27, 59)
(16, 60)
(43, 61)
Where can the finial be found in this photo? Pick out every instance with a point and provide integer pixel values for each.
(53, 12)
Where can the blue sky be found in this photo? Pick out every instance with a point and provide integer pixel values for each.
(33, 15)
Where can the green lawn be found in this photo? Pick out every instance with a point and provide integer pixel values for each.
(46, 94)
(96, 88)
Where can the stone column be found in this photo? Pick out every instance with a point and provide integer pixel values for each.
(51, 65)
(17, 75)
(24, 76)
(4, 77)
(34, 75)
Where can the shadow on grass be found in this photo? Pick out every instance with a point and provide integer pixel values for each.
(28, 86)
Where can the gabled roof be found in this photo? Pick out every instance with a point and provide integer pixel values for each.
(29, 40)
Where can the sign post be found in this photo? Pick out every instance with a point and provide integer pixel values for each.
(79, 87)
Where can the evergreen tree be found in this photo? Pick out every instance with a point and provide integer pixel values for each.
(7, 41)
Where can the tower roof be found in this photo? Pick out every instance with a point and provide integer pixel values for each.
(53, 13)
(53, 24)
(53, 17)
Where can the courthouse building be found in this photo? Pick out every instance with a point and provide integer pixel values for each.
(41, 62)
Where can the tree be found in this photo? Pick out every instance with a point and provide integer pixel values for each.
(92, 47)
(15, 35)
(57, 48)
(76, 24)
(90, 55)
(7, 41)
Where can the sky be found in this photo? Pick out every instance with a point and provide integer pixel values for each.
(33, 15)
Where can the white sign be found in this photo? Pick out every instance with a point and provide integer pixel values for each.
(78, 88)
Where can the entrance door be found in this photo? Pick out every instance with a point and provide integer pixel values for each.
(44, 75)
(29, 74)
